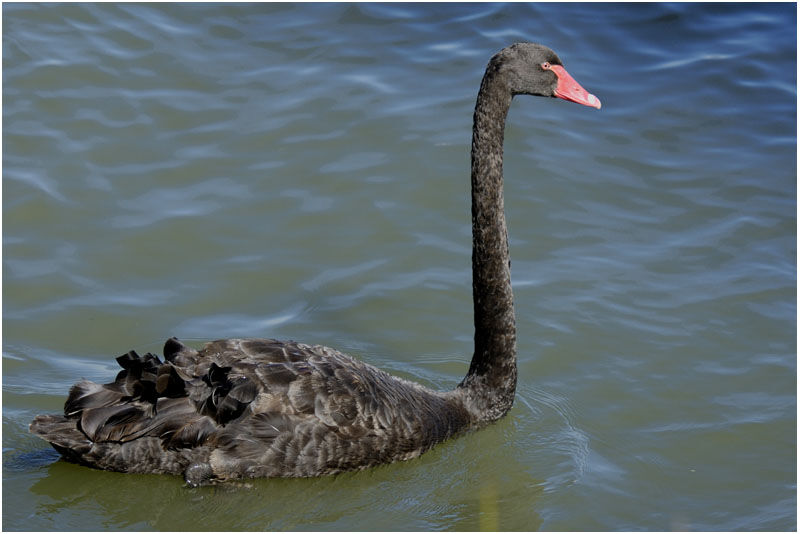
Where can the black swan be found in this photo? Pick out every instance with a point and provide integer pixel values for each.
(241, 408)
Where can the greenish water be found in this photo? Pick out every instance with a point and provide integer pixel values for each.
(301, 172)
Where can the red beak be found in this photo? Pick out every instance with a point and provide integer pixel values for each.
(569, 89)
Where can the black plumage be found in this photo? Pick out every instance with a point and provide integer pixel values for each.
(248, 408)
(242, 408)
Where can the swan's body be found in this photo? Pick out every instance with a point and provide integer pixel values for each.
(259, 407)
(250, 408)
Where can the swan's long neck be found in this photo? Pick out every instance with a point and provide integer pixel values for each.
(492, 377)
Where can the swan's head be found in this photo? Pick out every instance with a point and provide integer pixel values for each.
(534, 69)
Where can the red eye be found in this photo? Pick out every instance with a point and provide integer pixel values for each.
(546, 65)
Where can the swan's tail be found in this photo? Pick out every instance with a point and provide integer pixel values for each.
(163, 403)
(63, 435)
(64, 432)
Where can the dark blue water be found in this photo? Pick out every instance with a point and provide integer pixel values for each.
(301, 171)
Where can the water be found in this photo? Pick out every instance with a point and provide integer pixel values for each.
(301, 171)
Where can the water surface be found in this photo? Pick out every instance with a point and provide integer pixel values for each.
(301, 171)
